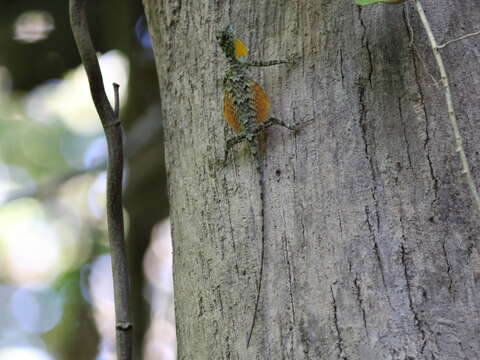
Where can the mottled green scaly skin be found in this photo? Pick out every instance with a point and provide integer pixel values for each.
(237, 84)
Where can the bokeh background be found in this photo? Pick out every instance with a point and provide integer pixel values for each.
(56, 295)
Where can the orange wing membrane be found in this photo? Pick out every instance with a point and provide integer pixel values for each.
(260, 102)
(240, 48)
(229, 113)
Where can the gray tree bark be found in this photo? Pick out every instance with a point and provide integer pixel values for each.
(372, 247)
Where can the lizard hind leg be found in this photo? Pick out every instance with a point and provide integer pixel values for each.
(229, 146)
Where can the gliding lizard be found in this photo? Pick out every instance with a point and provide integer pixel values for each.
(246, 110)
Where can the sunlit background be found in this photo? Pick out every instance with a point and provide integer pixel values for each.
(56, 295)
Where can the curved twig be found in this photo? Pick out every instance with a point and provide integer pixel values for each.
(463, 37)
(113, 134)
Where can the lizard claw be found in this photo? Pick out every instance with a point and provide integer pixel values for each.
(217, 164)
(293, 59)
(301, 125)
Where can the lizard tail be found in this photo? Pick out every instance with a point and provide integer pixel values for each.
(255, 152)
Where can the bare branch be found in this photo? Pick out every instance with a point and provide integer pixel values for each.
(116, 109)
(113, 134)
(450, 108)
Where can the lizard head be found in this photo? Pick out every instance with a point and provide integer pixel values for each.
(231, 46)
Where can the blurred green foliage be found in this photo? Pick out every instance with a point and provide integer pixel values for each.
(51, 184)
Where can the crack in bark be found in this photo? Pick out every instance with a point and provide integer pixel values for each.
(302, 224)
(228, 352)
(370, 72)
(417, 321)
(424, 110)
(201, 308)
(219, 295)
(360, 303)
(367, 48)
(402, 121)
(290, 287)
(339, 342)
(289, 271)
(340, 223)
(363, 111)
(304, 338)
(176, 6)
(341, 67)
(363, 127)
(376, 251)
(449, 269)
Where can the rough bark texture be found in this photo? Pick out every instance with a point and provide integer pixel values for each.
(372, 245)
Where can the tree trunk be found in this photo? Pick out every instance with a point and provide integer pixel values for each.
(371, 238)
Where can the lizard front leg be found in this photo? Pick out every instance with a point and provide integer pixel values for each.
(266, 63)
